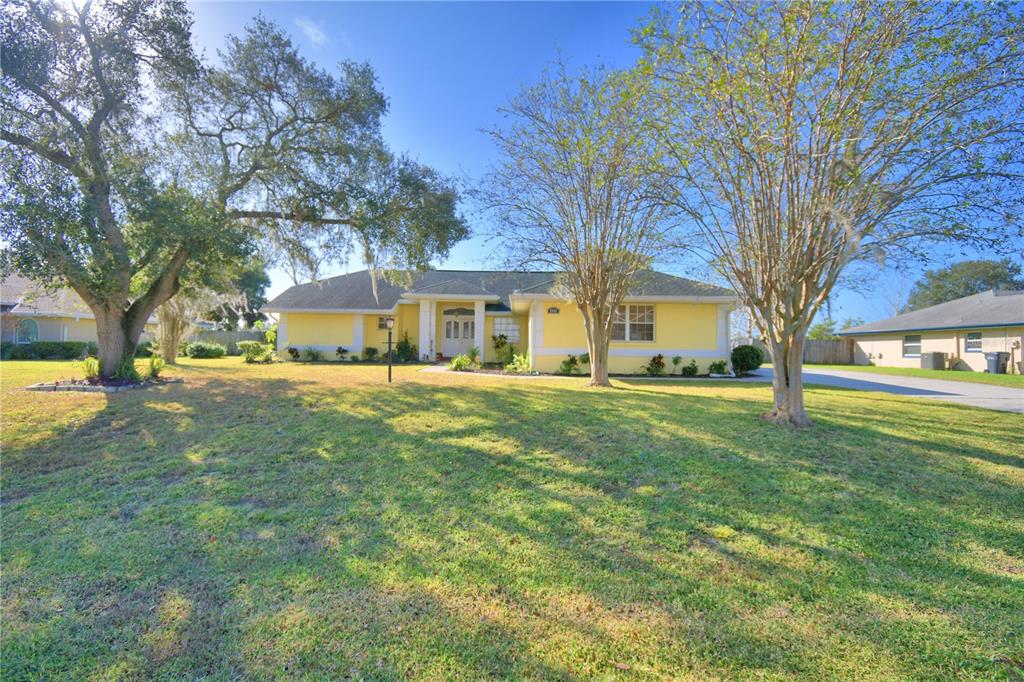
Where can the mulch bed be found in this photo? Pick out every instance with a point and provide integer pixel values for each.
(110, 386)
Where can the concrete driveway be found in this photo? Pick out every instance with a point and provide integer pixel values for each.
(959, 392)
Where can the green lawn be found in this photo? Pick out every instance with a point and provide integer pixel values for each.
(1010, 380)
(310, 521)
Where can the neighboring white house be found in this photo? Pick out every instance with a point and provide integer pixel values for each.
(964, 329)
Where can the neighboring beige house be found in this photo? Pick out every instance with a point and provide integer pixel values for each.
(964, 329)
(29, 313)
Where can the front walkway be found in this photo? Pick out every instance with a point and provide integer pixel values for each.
(959, 392)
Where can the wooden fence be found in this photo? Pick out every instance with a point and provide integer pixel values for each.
(823, 351)
(228, 338)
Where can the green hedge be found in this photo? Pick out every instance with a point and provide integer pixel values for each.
(47, 350)
(205, 349)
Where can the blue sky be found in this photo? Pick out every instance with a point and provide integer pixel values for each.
(447, 67)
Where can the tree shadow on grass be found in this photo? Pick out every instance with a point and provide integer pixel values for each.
(474, 530)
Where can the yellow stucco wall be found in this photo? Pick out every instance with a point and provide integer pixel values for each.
(678, 327)
(886, 350)
(319, 329)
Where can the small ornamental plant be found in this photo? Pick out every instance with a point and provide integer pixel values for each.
(571, 365)
(718, 367)
(689, 370)
(656, 366)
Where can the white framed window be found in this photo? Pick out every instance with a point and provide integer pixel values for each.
(972, 344)
(382, 323)
(912, 345)
(507, 327)
(468, 329)
(27, 331)
(633, 322)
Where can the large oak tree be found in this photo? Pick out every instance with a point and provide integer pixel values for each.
(129, 164)
(807, 136)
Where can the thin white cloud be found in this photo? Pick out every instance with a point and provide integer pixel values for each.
(312, 30)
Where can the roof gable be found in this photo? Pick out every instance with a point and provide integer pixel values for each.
(987, 309)
(354, 291)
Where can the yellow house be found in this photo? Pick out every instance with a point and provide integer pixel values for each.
(446, 312)
(29, 313)
(964, 330)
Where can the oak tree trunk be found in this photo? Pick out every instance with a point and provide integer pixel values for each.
(117, 343)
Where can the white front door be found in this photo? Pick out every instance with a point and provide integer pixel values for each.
(457, 333)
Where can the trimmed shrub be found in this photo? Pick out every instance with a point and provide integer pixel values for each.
(718, 367)
(689, 370)
(746, 359)
(405, 350)
(205, 349)
(311, 355)
(47, 350)
(256, 352)
(370, 353)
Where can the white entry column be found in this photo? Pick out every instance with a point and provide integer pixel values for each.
(426, 332)
(478, 327)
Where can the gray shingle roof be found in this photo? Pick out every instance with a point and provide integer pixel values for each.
(987, 309)
(354, 292)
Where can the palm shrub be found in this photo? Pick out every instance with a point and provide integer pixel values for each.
(156, 365)
(746, 359)
(461, 363)
(474, 355)
(676, 361)
(91, 368)
(520, 364)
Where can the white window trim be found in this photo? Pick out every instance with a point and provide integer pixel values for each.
(919, 344)
(514, 324)
(968, 349)
(654, 324)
